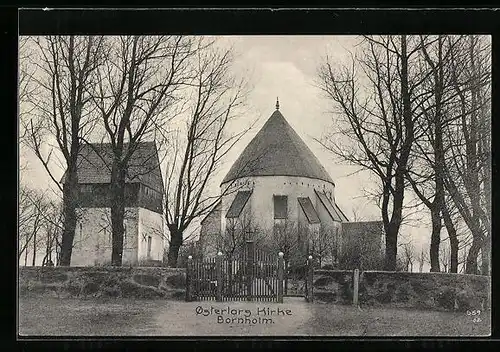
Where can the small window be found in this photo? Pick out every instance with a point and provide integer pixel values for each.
(149, 246)
(280, 207)
(124, 234)
(81, 231)
(238, 204)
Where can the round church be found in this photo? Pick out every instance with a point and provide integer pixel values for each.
(276, 187)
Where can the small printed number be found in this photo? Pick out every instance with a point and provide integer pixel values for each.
(473, 312)
(476, 320)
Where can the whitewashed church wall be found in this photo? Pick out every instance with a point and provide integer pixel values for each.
(150, 224)
(92, 243)
(264, 187)
(210, 233)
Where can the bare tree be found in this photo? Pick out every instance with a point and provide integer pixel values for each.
(377, 109)
(63, 72)
(52, 228)
(198, 153)
(26, 88)
(468, 167)
(322, 244)
(136, 90)
(444, 255)
(30, 220)
(450, 219)
(422, 259)
(357, 212)
(426, 174)
(408, 256)
(39, 225)
(289, 238)
(232, 243)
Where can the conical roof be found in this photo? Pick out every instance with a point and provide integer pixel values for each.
(277, 150)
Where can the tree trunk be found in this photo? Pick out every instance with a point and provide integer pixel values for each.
(175, 245)
(70, 196)
(391, 243)
(33, 262)
(452, 234)
(117, 211)
(26, 256)
(286, 276)
(471, 262)
(485, 256)
(392, 230)
(435, 240)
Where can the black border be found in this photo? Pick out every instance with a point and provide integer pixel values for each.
(254, 22)
(265, 21)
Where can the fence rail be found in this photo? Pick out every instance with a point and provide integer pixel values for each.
(253, 275)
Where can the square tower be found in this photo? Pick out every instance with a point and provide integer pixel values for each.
(143, 241)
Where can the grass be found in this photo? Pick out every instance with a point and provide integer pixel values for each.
(129, 317)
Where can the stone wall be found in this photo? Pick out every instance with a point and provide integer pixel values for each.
(440, 291)
(95, 282)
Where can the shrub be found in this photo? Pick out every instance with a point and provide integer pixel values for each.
(467, 299)
(446, 298)
(147, 280)
(111, 292)
(298, 270)
(73, 289)
(50, 276)
(176, 281)
(323, 281)
(90, 288)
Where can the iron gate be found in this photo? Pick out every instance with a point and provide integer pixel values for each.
(254, 275)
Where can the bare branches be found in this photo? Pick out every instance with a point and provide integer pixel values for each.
(217, 97)
(39, 223)
(375, 120)
(414, 111)
(61, 70)
(137, 89)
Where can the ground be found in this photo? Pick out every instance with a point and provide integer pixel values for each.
(57, 317)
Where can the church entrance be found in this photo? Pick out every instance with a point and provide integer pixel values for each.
(298, 280)
(254, 275)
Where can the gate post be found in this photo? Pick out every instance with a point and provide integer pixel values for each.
(310, 279)
(280, 276)
(188, 278)
(249, 269)
(356, 287)
(218, 272)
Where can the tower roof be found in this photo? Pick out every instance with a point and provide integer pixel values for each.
(277, 150)
(95, 160)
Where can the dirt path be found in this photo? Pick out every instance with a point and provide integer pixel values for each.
(232, 318)
(161, 318)
(295, 317)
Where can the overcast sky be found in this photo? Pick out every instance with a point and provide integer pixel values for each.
(285, 67)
